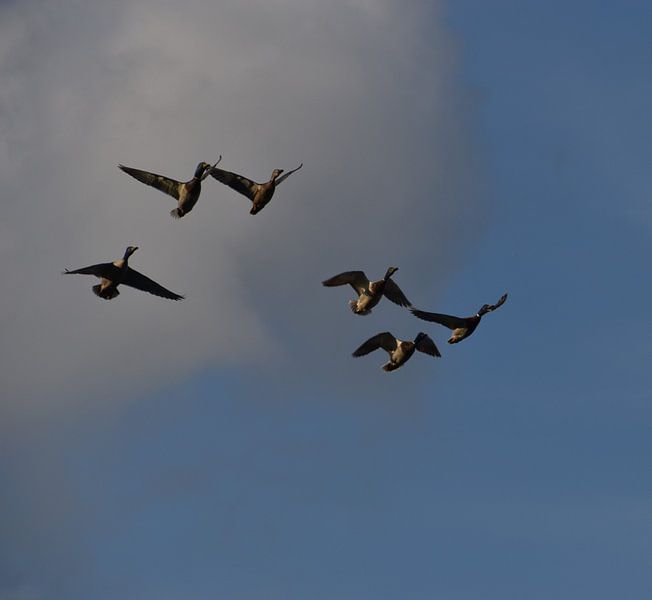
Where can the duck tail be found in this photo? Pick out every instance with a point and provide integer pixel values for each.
(390, 366)
(353, 305)
(176, 213)
(106, 294)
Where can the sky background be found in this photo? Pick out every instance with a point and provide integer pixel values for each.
(228, 446)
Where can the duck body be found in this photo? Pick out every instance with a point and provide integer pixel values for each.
(107, 289)
(404, 351)
(185, 192)
(369, 298)
(262, 196)
(399, 351)
(369, 293)
(118, 272)
(259, 193)
(188, 195)
(462, 327)
(461, 333)
(112, 276)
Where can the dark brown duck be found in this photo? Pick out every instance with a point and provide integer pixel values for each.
(118, 272)
(462, 327)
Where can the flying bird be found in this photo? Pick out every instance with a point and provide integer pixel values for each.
(259, 193)
(462, 327)
(369, 292)
(112, 274)
(399, 351)
(185, 192)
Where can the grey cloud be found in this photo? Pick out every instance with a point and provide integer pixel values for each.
(363, 93)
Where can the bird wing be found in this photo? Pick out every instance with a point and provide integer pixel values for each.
(445, 320)
(427, 346)
(283, 177)
(99, 270)
(240, 184)
(394, 293)
(384, 340)
(140, 282)
(160, 182)
(356, 279)
(500, 302)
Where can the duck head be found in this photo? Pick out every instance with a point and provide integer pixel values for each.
(201, 169)
(390, 272)
(129, 251)
(276, 173)
(484, 310)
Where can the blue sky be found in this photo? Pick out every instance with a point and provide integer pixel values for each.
(517, 466)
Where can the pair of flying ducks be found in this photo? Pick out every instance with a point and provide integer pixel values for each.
(187, 192)
(369, 295)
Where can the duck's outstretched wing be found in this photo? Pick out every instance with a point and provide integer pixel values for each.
(498, 304)
(356, 279)
(99, 270)
(160, 182)
(394, 293)
(145, 284)
(240, 184)
(425, 344)
(446, 320)
(282, 178)
(384, 340)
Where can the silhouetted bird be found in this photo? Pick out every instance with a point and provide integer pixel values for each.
(118, 272)
(462, 327)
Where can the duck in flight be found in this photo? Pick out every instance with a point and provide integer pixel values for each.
(185, 192)
(399, 351)
(112, 274)
(259, 193)
(369, 292)
(462, 327)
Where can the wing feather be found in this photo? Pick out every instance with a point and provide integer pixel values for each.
(500, 302)
(427, 346)
(282, 178)
(394, 293)
(356, 279)
(137, 280)
(384, 340)
(99, 270)
(446, 320)
(160, 182)
(240, 184)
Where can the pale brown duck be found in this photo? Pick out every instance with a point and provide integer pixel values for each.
(399, 351)
(259, 193)
(185, 192)
(369, 292)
